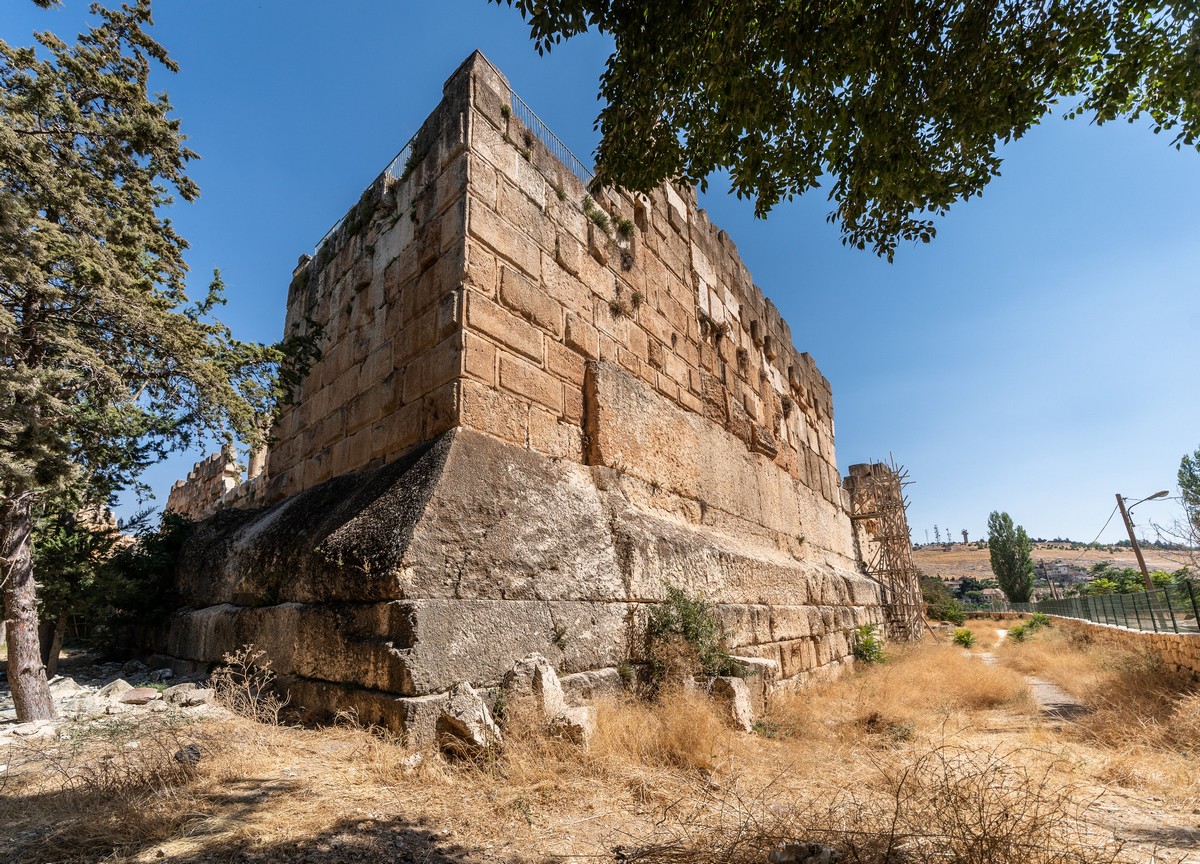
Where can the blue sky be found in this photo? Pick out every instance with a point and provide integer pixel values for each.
(1037, 357)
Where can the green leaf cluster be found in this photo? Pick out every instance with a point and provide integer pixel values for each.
(898, 108)
(1011, 555)
(1189, 489)
(939, 602)
(683, 630)
(868, 645)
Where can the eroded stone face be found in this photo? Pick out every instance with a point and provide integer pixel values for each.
(488, 571)
(523, 427)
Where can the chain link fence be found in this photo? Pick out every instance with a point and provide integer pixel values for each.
(1174, 609)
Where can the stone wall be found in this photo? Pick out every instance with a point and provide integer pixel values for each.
(534, 411)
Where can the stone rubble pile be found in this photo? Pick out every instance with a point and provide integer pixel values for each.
(101, 691)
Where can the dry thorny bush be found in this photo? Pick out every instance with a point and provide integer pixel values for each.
(952, 805)
(246, 686)
(94, 782)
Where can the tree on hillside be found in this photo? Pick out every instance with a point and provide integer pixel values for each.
(1189, 489)
(105, 364)
(902, 106)
(1012, 562)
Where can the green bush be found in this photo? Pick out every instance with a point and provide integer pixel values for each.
(940, 603)
(964, 637)
(868, 645)
(1036, 621)
(684, 636)
(1018, 633)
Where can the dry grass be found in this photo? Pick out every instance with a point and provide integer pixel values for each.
(1142, 719)
(660, 779)
(1131, 696)
(961, 806)
(924, 689)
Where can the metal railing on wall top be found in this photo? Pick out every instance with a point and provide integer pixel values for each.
(525, 114)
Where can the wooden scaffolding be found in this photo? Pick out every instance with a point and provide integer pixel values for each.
(878, 507)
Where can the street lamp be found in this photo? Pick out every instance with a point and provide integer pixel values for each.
(1137, 550)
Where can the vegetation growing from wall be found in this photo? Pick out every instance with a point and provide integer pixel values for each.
(683, 637)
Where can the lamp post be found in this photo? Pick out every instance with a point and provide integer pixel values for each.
(1137, 550)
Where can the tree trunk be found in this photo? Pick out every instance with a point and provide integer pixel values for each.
(56, 643)
(26, 674)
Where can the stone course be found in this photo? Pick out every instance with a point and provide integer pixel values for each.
(522, 427)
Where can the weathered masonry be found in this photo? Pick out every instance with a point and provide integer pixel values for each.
(536, 408)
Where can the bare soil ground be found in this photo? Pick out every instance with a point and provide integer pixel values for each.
(934, 755)
(956, 561)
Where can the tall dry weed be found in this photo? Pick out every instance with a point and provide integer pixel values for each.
(958, 806)
(678, 730)
(918, 690)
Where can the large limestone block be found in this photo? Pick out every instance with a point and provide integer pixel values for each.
(480, 640)
(467, 516)
(340, 541)
(637, 431)
(508, 523)
(357, 644)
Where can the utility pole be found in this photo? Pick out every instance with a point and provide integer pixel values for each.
(1137, 550)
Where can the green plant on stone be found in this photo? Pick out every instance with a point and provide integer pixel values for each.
(505, 110)
(560, 637)
(868, 644)
(597, 216)
(410, 164)
(964, 637)
(684, 637)
(625, 228)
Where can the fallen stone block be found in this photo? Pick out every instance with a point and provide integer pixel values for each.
(533, 680)
(733, 697)
(576, 725)
(114, 689)
(465, 726)
(139, 696)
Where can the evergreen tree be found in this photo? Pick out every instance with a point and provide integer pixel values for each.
(105, 364)
(1189, 488)
(1012, 562)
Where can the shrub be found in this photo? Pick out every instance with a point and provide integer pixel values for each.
(246, 686)
(597, 216)
(1018, 633)
(964, 637)
(940, 603)
(683, 637)
(1036, 621)
(868, 645)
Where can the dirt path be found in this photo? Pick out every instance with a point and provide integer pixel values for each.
(1162, 834)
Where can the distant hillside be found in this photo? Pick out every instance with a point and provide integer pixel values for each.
(955, 561)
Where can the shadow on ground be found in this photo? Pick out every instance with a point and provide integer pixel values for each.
(77, 826)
